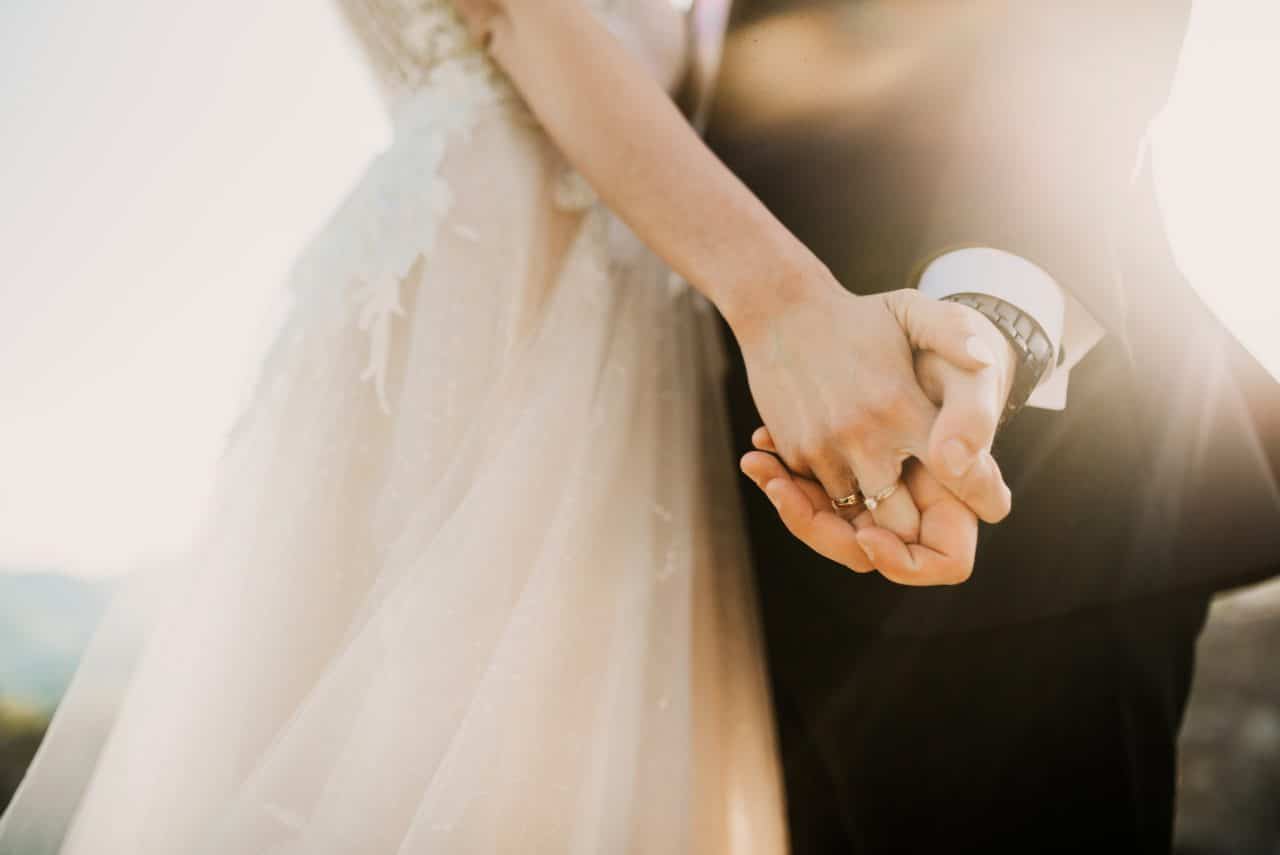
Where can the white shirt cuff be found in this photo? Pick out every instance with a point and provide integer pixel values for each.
(1015, 280)
(1080, 332)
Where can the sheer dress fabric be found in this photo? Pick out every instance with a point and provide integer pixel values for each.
(474, 578)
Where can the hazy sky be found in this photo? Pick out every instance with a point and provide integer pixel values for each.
(161, 164)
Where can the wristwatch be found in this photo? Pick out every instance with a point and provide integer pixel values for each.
(1030, 342)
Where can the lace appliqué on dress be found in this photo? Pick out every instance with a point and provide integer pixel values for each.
(435, 79)
(395, 214)
(404, 40)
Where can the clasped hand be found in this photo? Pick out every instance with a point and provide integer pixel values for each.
(859, 393)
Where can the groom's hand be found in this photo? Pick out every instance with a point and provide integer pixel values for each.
(948, 529)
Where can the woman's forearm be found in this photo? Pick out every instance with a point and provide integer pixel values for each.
(832, 374)
(624, 134)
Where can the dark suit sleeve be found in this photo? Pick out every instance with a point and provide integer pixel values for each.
(1040, 151)
(1042, 158)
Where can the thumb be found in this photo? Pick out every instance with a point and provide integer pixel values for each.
(961, 437)
(951, 330)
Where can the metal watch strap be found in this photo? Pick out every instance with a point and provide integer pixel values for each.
(1031, 343)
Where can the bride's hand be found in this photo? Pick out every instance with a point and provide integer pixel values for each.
(833, 376)
(831, 373)
(948, 529)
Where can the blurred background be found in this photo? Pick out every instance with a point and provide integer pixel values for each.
(162, 163)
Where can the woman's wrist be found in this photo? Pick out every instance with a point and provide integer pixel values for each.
(752, 305)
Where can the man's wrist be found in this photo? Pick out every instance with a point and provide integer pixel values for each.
(1003, 276)
(1033, 351)
(1006, 363)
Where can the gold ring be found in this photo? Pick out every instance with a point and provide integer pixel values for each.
(874, 500)
(845, 502)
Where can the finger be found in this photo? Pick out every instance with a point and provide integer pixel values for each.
(836, 478)
(806, 511)
(948, 537)
(984, 490)
(763, 468)
(839, 483)
(911, 564)
(763, 440)
(897, 512)
(817, 527)
(950, 329)
(946, 526)
(876, 453)
(859, 516)
(961, 436)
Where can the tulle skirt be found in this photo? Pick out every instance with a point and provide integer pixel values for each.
(474, 578)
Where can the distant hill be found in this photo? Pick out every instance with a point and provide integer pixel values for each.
(46, 619)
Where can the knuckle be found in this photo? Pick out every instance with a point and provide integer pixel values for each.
(905, 304)
(901, 304)
(815, 448)
(790, 454)
(974, 416)
(958, 573)
(985, 414)
(854, 431)
(808, 456)
(905, 297)
(966, 319)
(789, 519)
(883, 404)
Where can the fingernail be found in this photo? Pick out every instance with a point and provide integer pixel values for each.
(957, 457)
(771, 491)
(978, 349)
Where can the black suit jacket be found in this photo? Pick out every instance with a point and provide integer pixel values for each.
(886, 132)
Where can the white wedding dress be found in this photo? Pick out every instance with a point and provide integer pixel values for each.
(474, 579)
